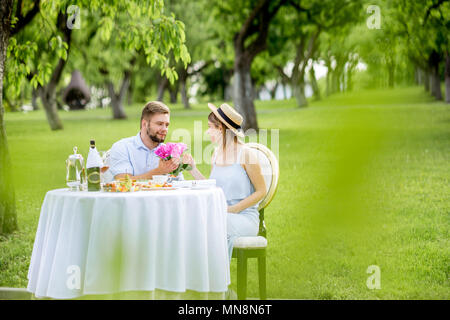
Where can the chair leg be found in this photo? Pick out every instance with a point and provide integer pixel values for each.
(262, 277)
(241, 275)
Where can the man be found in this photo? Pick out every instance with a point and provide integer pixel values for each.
(135, 156)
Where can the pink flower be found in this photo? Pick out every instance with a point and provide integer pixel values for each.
(162, 151)
(178, 149)
(170, 150)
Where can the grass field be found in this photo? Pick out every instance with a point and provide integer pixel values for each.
(364, 181)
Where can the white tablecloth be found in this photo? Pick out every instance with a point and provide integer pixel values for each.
(173, 240)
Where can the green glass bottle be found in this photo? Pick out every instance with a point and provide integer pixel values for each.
(93, 165)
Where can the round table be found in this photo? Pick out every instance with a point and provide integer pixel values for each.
(103, 243)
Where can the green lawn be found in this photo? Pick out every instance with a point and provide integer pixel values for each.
(364, 181)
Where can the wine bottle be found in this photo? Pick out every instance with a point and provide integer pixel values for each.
(93, 165)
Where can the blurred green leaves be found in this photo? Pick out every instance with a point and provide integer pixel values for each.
(129, 26)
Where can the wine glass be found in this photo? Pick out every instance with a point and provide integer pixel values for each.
(104, 155)
(74, 166)
(105, 159)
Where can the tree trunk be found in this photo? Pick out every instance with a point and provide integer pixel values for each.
(116, 102)
(391, 77)
(117, 99)
(430, 81)
(299, 93)
(48, 92)
(117, 107)
(284, 83)
(130, 93)
(48, 98)
(447, 78)
(435, 83)
(300, 62)
(314, 85)
(273, 92)
(426, 80)
(8, 216)
(244, 53)
(349, 80)
(51, 110)
(173, 92)
(335, 81)
(12, 105)
(418, 76)
(184, 95)
(328, 86)
(34, 98)
(228, 92)
(183, 90)
(243, 93)
(161, 88)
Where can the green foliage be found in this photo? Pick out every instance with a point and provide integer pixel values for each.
(422, 26)
(121, 28)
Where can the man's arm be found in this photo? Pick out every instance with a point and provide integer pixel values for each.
(146, 176)
(164, 167)
(119, 160)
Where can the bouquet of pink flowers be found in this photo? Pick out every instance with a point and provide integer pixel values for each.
(173, 150)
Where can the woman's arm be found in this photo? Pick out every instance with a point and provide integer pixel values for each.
(187, 158)
(253, 169)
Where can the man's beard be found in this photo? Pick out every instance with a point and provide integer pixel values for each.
(154, 137)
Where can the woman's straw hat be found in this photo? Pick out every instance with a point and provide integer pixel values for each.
(229, 117)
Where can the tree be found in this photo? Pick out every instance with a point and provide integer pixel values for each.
(8, 218)
(304, 50)
(119, 26)
(9, 26)
(200, 41)
(48, 90)
(157, 36)
(247, 25)
(426, 25)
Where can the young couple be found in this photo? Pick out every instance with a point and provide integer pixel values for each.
(234, 167)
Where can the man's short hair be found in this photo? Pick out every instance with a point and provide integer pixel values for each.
(154, 107)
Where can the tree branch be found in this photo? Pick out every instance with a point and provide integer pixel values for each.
(283, 75)
(434, 6)
(195, 71)
(126, 78)
(311, 48)
(23, 21)
(19, 9)
(297, 7)
(260, 43)
(67, 33)
(244, 32)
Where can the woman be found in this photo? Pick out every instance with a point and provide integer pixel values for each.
(236, 170)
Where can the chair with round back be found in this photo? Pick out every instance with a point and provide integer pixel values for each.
(255, 247)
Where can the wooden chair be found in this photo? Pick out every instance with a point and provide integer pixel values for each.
(255, 247)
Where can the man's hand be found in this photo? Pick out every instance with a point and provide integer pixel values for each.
(167, 166)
